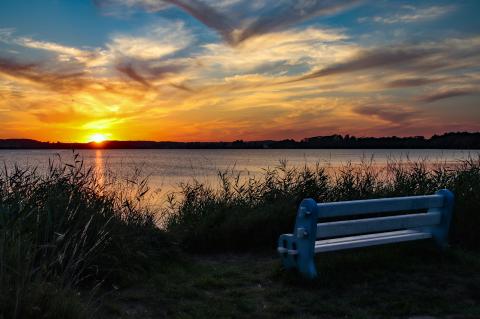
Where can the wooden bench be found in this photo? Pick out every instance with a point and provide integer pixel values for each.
(408, 218)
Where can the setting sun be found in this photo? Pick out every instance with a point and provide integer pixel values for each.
(97, 138)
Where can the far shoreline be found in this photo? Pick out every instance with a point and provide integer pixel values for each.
(452, 140)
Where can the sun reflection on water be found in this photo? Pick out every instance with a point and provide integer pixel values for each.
(100, 167)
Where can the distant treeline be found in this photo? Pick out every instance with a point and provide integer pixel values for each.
(453, 140)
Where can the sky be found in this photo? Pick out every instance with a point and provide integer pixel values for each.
(222, 70)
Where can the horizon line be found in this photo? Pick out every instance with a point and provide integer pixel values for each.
(240, 140)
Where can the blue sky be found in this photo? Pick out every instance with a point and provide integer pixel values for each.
(229, 69)
(82, 23)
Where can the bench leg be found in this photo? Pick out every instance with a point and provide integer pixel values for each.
(440, 232)
(287, 250)
(305, 235)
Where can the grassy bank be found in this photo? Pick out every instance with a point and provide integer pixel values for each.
(74, 245)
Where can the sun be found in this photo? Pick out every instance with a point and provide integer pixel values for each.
(98, 138)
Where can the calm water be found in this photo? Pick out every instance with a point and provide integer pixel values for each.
(167, 168)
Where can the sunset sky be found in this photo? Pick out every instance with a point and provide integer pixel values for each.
(198, 70)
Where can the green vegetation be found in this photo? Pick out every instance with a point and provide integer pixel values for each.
(73, 245)
(250, 214)
(67, 230)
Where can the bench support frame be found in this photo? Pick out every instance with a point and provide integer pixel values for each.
(297, 250)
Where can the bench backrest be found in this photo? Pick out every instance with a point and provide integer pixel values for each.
(379, 224)
(381, 205)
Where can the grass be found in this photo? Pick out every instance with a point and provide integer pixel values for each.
(398, 281)
(77, 245)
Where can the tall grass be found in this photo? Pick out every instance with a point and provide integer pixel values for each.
(66, 230)
(250, 213)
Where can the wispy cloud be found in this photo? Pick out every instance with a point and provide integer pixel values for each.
(162, 39)
(237, 23)
(445, 94)
(409, 82)
(124, 8)
(370, 59)
(411, 14)
(286, 52)
(65, 52)
(415, 60)
(35, 73)
(290, 13)
(145, 73)
(129, 71)
(6, 33)
(67, 116)
(395, 114)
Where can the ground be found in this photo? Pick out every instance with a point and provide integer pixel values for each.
(411, 280)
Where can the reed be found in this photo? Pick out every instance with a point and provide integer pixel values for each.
(249, 213)
(67, 230)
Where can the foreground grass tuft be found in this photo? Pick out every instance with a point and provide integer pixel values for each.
(66, 230)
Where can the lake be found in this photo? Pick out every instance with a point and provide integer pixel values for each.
(167, 168)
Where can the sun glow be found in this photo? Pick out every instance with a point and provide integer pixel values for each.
(98, 138)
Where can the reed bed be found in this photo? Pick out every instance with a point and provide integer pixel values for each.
(67, 231)
(249, 213)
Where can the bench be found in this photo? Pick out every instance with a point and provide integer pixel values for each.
(396, 219)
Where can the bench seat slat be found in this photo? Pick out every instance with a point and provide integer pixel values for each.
(374, 225)
(369, 240)
(367, 206)
(368, 236)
